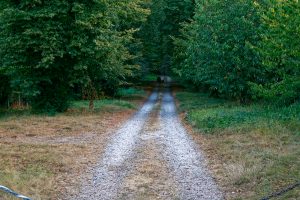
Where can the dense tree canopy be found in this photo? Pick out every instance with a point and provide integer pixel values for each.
(238, 49)
(242, 49)
(280, 51)
(162, 25)
(217, 55)
(48, 48)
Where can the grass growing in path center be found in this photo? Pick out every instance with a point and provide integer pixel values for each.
(254, 150)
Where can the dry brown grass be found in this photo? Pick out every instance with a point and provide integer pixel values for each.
(252, 150)
(62, 125)
(43, 157)
(244, 164)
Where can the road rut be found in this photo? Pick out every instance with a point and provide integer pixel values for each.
(151, 157)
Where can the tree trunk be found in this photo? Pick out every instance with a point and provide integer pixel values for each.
(91, 105)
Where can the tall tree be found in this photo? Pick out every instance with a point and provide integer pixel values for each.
(217, 54)
(162, 26)
(33, 35)
(280, 51)
(51, 46)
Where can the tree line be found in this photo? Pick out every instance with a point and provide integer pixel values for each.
(158, 32)
(242, 49)
(53, 50)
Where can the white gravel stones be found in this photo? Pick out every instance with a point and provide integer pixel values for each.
(185, 161)
(112, 168)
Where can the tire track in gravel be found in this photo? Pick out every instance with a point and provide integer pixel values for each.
(152, 157)
(151, 177)
(185, 159)
(112, 169)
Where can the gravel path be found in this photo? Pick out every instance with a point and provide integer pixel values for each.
(184, 158)
(151, 157)
(112, 169)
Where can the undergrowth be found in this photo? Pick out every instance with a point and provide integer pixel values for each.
(211, 115)
(125, 99)
(130, 92)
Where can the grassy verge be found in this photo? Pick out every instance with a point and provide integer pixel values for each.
(41, 155)
(126, 98)
(253, 150)
(103, 105)
(31, 169)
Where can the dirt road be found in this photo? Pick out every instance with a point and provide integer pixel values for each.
(151, 157)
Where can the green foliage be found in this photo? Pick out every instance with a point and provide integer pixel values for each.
(32, 50)
(214, 51)
(157, 33)
(4, 89)
(245, 50)
(280, 52)
(237, 49)
(213, 115)
(50, 47)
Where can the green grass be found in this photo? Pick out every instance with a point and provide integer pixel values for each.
(255, 148)
(190, 101)
(149, 77)
(103, 104)
(213, 115)
(125, 99)
(130, 92)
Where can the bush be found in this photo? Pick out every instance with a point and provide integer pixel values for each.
(52, 98)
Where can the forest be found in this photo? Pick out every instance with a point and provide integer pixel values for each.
(82, 80)
(55, 51)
